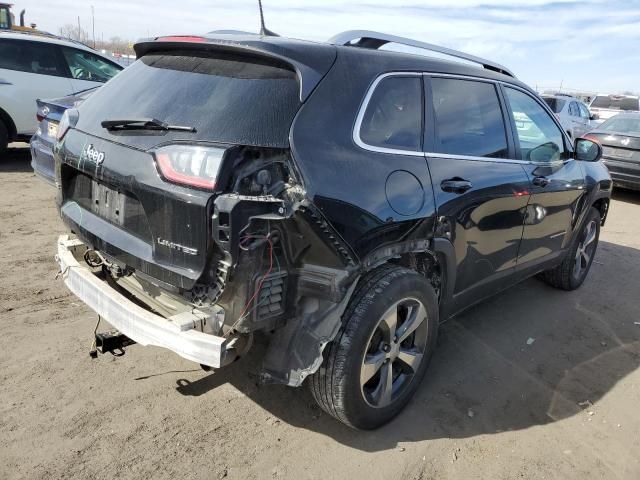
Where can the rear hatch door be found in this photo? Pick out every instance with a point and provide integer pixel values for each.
(114, 192)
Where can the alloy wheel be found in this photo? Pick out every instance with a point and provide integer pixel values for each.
(394, 353)
(585, 250)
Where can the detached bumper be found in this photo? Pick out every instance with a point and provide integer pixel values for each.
(135, 322)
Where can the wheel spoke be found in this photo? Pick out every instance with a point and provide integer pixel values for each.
(415, 317)
(585, 257)
(390, 322)
(382, 393)
(590, 236)
(411, 358)
(577, 264)
(372, 364)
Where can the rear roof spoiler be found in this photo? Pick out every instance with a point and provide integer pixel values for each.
(375, 40)
(310, 61)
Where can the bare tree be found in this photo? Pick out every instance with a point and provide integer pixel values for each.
(74, 33)
(114, 44)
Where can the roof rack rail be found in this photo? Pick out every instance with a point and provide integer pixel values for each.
(375, 40)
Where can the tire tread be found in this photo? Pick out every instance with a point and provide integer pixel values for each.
(326, 383)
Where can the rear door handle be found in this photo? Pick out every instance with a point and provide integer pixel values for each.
(541, 181)
(456, 185)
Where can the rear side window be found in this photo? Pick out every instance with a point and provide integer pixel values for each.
(30, 57)
(468, 119)
(393, 118)
(226, 98)
(574, 110)
(555, 104)
(540, 139)
(87, 66)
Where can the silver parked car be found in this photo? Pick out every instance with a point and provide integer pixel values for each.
(574, 115)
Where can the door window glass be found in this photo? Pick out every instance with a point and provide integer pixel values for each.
(468, 119)
(539, 137)
(393, 118)
(30, 57)
(584, 112)
(87, 66)
(4, 17)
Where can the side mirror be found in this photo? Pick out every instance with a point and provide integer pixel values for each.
(587, 150)
(594, 116)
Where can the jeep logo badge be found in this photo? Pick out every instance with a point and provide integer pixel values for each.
(94, 155)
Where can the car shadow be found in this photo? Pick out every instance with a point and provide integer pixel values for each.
(16, 159)
(626, 195)
(530, 356)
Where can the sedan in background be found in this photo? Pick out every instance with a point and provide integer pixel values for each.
(620, 140)
(48, 116)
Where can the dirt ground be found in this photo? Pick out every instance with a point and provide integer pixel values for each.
(535, 383)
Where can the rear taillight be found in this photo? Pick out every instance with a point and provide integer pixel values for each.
(191, 165)
(69, 119)
(42, 113)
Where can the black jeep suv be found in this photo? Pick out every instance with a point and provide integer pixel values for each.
(340, 198)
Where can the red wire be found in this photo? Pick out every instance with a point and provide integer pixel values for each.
(261, 280)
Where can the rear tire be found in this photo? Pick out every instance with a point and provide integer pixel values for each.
(573, 270)
(4, 138)
(381, 353)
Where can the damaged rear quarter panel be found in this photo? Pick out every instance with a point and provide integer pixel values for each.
(347, 187)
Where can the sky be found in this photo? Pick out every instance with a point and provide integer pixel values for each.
(590, 45)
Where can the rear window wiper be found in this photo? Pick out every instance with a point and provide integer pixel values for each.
(143, 124)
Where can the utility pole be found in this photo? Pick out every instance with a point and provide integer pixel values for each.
(79, 37)
(93, 26)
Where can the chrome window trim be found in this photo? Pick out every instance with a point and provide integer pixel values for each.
(478, 159)
(365, 103)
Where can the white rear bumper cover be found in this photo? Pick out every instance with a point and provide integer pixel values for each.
(135, 322)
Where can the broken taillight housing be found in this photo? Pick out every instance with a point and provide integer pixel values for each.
(191, 165)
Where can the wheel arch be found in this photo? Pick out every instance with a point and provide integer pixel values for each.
(8, 122)
(602, 205)
(433, 259)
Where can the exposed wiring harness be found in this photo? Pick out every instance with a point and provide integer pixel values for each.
(260, 239)
(245, 310)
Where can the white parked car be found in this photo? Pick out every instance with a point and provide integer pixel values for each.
(574, 115)
(605, 106)
(37, 66)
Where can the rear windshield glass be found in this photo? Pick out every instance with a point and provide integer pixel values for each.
(227, 99)
(555, 104)
(622, 124)
(615, 103)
